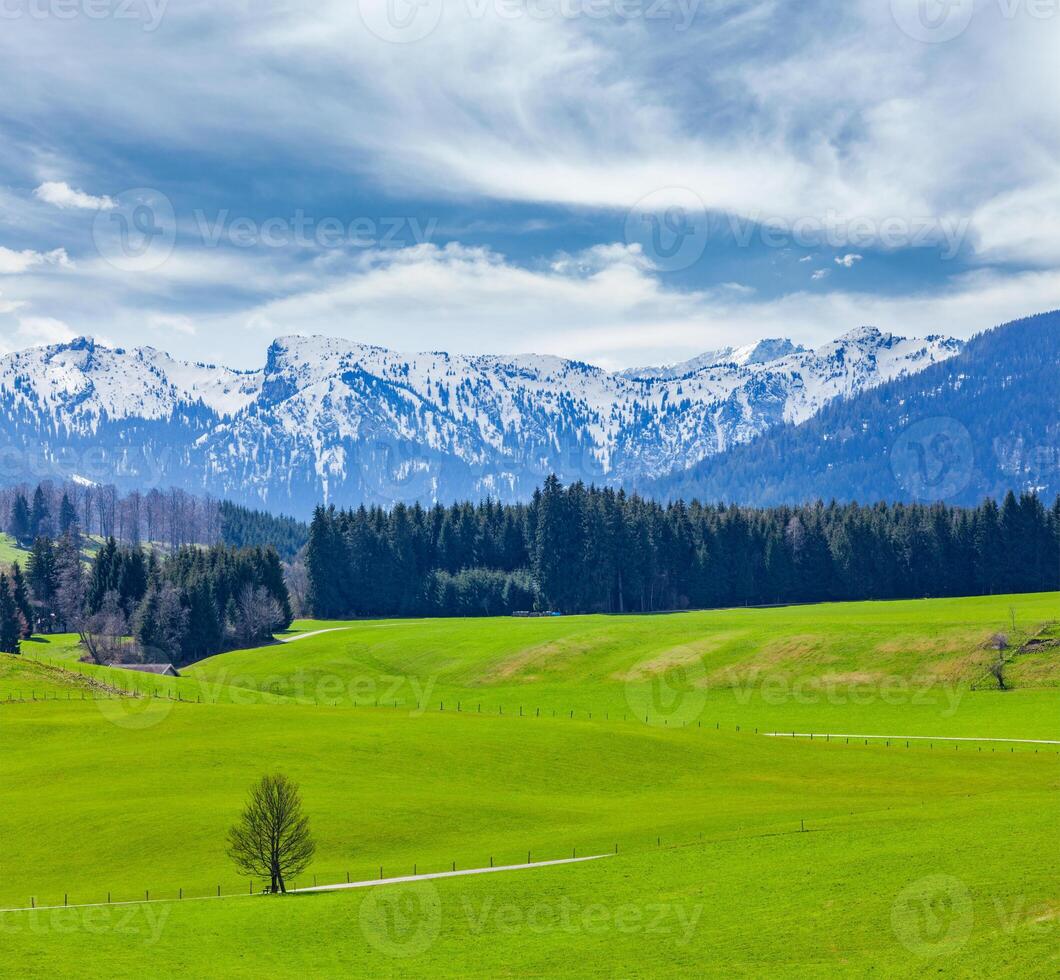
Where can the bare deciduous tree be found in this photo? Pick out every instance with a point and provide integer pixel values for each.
(272, 839)
(297, 580)
(999, 642)
(104, 633)
(258, 614)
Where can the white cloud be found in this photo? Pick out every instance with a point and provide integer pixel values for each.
(34, 331)
(12, 262)
(848, 261)
(62, 195)
(848, 116)
(172, 323)
(602, 306)
(820, 274)
(472, 300)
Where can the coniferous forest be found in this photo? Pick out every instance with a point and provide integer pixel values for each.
(131, 605)
(579, 549)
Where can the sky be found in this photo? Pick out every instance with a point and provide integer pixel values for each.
(624, 182)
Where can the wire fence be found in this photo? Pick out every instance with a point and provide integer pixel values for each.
(362, 874)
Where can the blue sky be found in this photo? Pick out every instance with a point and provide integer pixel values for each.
(621, 181)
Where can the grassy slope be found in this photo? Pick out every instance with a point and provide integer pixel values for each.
(784, 906)
(22, 678)
(11, 552)
(395, 787)
(384, 788)
(890, 668)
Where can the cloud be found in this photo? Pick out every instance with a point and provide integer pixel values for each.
(172, 323)
(617, 314)
(848, 261)
(820, 274)
(12, 262)
(62, 195)
(602, 305)
(846, 115)
(34, 331)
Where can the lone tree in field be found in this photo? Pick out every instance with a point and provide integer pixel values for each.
(272, 838)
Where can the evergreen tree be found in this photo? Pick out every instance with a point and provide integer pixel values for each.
(20, 594)
(10, 620)
(67, 516)
(42, 575)
(20, 524)
(39, 515)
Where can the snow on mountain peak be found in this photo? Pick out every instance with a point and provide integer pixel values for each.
(330, 418)
(764, 351)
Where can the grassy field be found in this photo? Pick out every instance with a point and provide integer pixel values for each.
(11, 552)
(917, 668)
(934, 858)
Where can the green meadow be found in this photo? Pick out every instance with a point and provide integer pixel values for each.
(10, 551)
(424, 745)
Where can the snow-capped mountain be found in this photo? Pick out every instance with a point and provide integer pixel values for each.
(326, 419)
(760, 352)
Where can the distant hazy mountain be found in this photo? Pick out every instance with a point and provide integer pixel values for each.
(978, 424)
(762, 352)
(325, 419)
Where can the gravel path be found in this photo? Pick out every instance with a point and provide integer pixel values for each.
(449, 874)
(918, 738)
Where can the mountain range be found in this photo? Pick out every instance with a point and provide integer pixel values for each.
(327, 419)
(976, 425)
